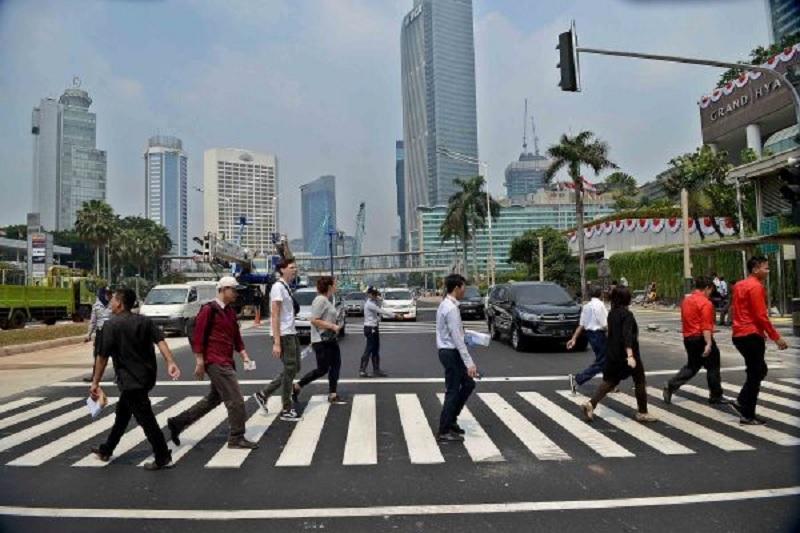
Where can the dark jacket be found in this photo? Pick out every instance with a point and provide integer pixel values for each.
(623, 333)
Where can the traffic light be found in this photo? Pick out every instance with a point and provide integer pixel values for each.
(568, 62)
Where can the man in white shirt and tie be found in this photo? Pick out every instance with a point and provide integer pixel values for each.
(459, 369)
(594, 321)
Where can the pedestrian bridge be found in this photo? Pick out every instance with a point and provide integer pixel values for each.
(439, 261)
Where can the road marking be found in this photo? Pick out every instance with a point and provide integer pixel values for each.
(49, 451)
(299, 450)
(361, 447)
(422, 447)
(18, 403)
(694, 429)
(729, 420)
(584, 432)
(633, 428)
(257, 425)
(32, 432)
(781, 388)
(531, 436)
(397, 510)
(478, 444)
(762, 411)
(196, 432)
(37, 411)
(796, 381)
(767, 397)
(136, 436)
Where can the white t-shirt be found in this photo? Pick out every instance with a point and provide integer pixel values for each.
(279, 293)
(594, 316)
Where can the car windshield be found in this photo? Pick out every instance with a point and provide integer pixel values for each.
(305, 297)
(398, 295)
(356, 297)
(541, 294)
(166, 296)
(472, 292)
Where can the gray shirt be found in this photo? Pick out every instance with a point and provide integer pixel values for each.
(373, 312)
(323, 309)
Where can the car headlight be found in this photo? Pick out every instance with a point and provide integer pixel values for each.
(531, 317)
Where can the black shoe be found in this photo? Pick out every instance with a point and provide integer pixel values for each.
(243, 444)
(666, 394)
(261, 400)
(363, 374)
(380, 374)
(450, 436)
(100, 454)
(153, 465)
(173, 431)
(720, 401)
(455, 428)
(756, 421)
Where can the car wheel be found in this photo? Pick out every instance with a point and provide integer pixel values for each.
(517, 340)
(18, 319)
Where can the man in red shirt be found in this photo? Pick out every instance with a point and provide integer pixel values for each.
(216, 336)
(697, 316)
(750, 325)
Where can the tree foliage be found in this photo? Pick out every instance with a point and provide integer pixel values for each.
(759, 56)
(559, 265)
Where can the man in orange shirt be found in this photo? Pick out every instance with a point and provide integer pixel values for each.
(697, 316)
(750, 325)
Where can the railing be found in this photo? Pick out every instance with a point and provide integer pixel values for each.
(396, 262)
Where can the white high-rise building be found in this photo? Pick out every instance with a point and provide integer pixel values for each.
(241, 183)
(165, 176)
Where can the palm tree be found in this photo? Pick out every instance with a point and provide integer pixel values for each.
(95, 224)
(572, 152)
(466, 212)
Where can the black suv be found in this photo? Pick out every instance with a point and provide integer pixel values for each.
(533, 310)
(472, 304)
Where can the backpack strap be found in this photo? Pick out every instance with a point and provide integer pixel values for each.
(209, 324)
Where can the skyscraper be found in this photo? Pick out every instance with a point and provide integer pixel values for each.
(165, 177)
(241, 183)
(439, 111)
(68, 169)
(318, 205)
(400, 182)
(784, 18)
(527, 175)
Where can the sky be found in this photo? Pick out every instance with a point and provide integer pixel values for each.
(317, 83)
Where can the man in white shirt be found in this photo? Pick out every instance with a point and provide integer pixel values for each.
(285, 345)
(594, 321)
(459, 369)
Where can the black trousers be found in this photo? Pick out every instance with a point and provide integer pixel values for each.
(694, 350)
(752, 348)
(329, 361)
(372, 349)
(458, 386)
(610, 383)
(136, 403)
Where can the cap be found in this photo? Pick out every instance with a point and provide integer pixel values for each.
(227, 281)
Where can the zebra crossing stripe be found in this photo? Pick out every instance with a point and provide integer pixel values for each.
(633, 428)
(694, 429)
(531, 436)
(762, 411)
(601, 444)
(729, 420)
(780, 388)
(136, 436)
(36, 411)
(299, 450)
(10, 406)
(32, 432)
(422, 447)
(196, 432)
(796, 381)
(361, 447)
(478, 444)
(767, 397)
(257, 425)
(49, 451)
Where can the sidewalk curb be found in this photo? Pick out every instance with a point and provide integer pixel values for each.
(15, 349)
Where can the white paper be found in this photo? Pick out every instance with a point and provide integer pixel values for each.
(476, 338)
(93, 406)
(250, 365)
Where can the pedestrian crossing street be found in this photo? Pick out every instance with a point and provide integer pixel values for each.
(386, 328)
(547, 425)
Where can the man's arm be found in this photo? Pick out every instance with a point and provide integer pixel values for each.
(276, 328)
(708, 327)
(92, 324)
(172, 368)
(758, 302)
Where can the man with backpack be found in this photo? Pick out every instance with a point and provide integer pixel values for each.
(215, 337)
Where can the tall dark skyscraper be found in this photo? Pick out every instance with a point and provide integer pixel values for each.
(439, 110)
(400, 182)
(784, 18)
(318, 204)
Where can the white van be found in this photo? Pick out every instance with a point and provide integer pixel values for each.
(170, 306)
(401, 302)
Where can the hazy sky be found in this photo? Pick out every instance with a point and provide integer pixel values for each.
(317, 83)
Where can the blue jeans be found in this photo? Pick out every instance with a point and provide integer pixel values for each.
(597, 340)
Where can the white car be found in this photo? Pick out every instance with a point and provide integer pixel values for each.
(171, 306)
(302, 321)
(401, 302)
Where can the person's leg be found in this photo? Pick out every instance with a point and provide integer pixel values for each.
(602, 390)
(227, 385)
(640, 386)
(452, 381)
(464, 391)
(322, 365)
(291, 366)
(376, 352)
(122, 416)
(143, 411)
(712, 364)
(597, 340)
(335, 366)
(694, 356)
(752, 348)
(367, 350)
(204, 406)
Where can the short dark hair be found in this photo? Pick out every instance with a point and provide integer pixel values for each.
(452, 281)
(127, 298)
(701, 282)
(595, 292)
(324, 283)
(284, 263)
(621, 297)
(754, 262)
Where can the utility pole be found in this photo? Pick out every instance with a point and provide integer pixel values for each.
(541, 259)
(687, 260)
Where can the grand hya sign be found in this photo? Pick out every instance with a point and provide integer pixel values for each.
(744, 100)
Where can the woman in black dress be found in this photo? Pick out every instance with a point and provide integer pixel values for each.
(623, 359)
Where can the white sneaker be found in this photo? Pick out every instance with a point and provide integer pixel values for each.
(290, 415)
(261, 400)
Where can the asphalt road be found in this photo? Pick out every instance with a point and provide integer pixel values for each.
(529, 463)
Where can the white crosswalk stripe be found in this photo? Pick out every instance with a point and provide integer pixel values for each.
(361, 447)
(764, 396)
(16, 404)
(478, 444)
(422, 447)
(196, 432)
(36, 412)
(760, 409)
(299, 450)
(633, 428)
(796, 381)
(256, 426)
(780, 388)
